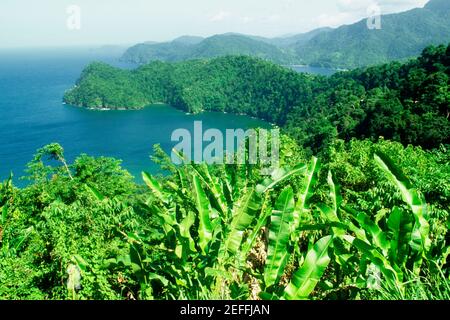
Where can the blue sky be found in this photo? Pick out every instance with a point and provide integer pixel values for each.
(44, 23)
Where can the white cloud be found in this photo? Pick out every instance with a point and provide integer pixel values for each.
(354, 5)
(272, 18)
(390, 6)
(220, 16)
(288, 4)
(350, 11)
(334, 20)
(387, 6)
(247, 19)
(164, 20)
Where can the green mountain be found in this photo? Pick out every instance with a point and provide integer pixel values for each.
(298, 39)
(403, 35)
(188, 40)
(146, 52)
(438, 5)
(286, 42)
(403, 102)
(188, 48)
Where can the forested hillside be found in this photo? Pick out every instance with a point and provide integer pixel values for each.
(360, 219)
(406, 102)
(215, 46)
(401, 36)
(350, 201)
(366, 221)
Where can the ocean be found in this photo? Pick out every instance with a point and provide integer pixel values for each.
(32, 114)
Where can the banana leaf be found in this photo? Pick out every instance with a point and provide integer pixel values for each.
(420, 240)
(306, 191)
(246, 211)
(255, 231)
(279, 236)
(205, 231)
(278, 177)
(305, 280)
(155, 187)
(186, 243)
(379, 238)
(214, 186)
(400, 226)
(332, 214)
(377, 259)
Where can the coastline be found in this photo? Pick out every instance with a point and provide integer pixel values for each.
(104, 109)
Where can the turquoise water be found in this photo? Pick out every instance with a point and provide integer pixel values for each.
(314, 70)
(32, 84)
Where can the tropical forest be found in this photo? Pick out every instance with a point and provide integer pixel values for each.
(358, 208)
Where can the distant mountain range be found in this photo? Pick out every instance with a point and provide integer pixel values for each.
(402, 35)
(189, 47)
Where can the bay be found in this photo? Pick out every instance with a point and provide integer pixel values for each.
(32, 84)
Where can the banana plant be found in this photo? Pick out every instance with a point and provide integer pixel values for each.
(281, 221)
(388, 249)
(287, 222)
(305, 193)
(246, 211)
(214, 219)
(305, 280)
(420, 241)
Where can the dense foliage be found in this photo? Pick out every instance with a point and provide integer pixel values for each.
(347, 226)
(404, 102)
(366, 218)
(401, 36)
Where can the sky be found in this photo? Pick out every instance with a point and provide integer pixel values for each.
(45, 23)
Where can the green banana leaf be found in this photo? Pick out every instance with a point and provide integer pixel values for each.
(205, 231)
(332, 214)
(306, 191)
(400, 226)
(214, 186)
(335, 193)
(278, 177)
(377, 259)
(420, 240)
(379, 238)
(155, 187)
(260, 223)
(246, 211)
(305, 280)
(279, 235)
(186, 243)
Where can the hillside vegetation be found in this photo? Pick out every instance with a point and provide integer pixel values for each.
(365, 218)
(188, 48)
(406, 102)
(350, 226)
(401, 36)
